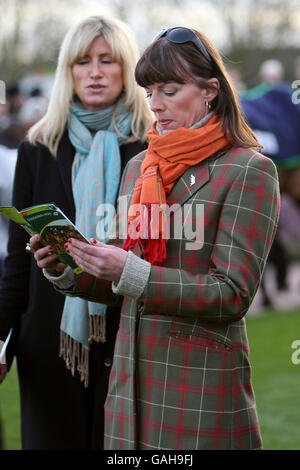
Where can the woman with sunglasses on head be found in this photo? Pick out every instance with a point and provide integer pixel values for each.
(96, 121)
(181, 378)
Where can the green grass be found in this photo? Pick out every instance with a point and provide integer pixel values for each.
(10, 410)
(276, 382)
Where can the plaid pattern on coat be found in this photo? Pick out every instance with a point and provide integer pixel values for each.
(181, 378)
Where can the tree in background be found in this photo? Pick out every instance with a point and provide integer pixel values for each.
(31, 32)
(259, 29)
(248, 31)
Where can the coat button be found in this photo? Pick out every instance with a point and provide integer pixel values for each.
(108, 362)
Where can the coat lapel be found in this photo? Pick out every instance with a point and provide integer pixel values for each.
(190, 182)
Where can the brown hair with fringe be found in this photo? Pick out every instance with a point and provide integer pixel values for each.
(164, 62)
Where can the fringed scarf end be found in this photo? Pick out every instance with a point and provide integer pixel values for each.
(75, 355)
(97, 328)
(155, 251)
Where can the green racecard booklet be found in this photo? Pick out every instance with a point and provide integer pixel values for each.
(53, 226)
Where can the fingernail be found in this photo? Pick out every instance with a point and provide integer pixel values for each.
(69, 241)
(66, 245)
(94, 241)
(68, 251)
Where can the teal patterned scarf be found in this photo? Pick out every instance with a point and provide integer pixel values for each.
(96, 175)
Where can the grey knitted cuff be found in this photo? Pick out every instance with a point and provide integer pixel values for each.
(134, 277)
(65, 281)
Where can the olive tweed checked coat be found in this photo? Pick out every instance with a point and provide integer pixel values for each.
(181, 378)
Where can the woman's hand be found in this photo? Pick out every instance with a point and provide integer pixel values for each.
(98, 259)
(45, 257)
(3, 371)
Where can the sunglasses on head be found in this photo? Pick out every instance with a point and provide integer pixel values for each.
(181, 35)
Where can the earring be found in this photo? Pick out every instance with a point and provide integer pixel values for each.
(208, 105)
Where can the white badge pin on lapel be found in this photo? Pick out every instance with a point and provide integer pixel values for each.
(193, 179)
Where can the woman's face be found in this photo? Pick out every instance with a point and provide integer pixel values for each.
(178, 105)
(97, 77)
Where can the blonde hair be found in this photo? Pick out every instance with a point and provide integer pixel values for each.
(48, 131)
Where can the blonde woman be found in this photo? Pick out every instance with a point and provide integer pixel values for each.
(96, 121)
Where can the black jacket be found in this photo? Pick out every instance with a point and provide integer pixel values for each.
(56, 411)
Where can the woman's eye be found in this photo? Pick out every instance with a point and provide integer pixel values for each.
(169, 92)
(82, 62)
(148, 94)
(107, 60)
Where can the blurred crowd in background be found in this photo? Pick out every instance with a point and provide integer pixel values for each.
(24, 105)
(273, 111)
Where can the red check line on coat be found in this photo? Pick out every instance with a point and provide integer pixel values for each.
(219, 184)
(222, 392)
(193, 262)
(213, 432)
(125, 380)
(198, 302)
(237, 427)
(219, 433)
(152, 344)
(251, 231)
(260, 193)
(184, 394)
(184, 388)
(123, 418)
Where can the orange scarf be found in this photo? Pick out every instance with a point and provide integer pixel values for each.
(168, 157)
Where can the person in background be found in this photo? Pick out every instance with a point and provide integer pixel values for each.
(33, 108)
(11, 130)
(181, 377)
(14, 98)
(281, 141)
(96, 121)
(271, 71)
(8, 159)
(4, 119)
